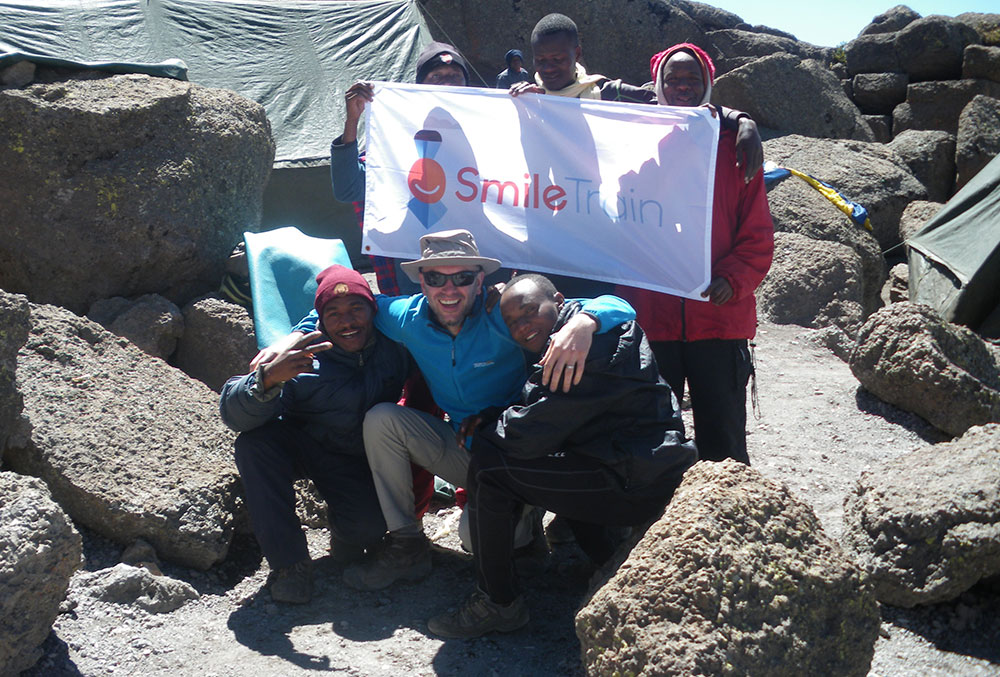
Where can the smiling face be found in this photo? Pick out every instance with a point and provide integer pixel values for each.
(349, 322)
(530, 314)
(555, 59)
(451, 304)
(682, 80)
(426, 180)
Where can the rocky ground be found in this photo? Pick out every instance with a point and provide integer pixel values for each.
(816, 431)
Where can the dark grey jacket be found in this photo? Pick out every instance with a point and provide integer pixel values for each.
(621, 413)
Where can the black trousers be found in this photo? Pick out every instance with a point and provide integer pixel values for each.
(271, 458)
(716, 372)
(585, 492)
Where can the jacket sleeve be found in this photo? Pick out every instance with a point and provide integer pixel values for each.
(616, 90)
(729, 118)
(749, 259)
(609, 310)
(347, 172)
(241, 410)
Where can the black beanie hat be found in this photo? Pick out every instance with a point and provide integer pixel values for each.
(438, 53)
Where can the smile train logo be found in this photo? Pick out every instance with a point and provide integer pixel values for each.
(426, 179)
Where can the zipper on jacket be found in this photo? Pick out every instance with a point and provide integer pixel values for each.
(453, 351)
(683, 321)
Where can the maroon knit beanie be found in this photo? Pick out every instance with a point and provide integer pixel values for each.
(337, 281)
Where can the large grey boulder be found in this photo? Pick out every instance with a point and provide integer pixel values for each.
(908, 356)
(736, 578)
(709, 18)
(731, 48)
(931, 48)
(151, 322)
(134, 586)
(218, 342)
(14, 322)
(981, 61)
(986, 24)
(130, 446)
(926, 526)
(39, 551)
(938, 105)
(867, 173)
(978, 138)
(126, 185)
(764, 87)
(796, 207)
(812, 283)
(879, 93)
(17, 74)
(891, 20)
(872, 53)
(881, 127)
(930, 156)
(915, 217)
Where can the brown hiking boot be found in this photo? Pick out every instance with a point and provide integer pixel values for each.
(399, 558)
(479, 616)
(294, 584)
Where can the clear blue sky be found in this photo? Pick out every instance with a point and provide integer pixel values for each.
(827, 24)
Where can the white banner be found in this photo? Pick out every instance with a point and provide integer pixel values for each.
(598, 190)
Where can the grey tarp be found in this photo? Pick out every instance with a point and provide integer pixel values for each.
(954, 260)
(296, 58)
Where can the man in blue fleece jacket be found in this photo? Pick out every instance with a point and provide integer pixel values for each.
(471, 364)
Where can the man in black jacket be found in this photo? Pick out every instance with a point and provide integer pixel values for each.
(609, 452)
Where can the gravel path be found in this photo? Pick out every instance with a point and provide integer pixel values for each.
(816, 433)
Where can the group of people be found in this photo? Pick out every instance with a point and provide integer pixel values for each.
(557, 404)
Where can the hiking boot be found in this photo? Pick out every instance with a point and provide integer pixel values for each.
(399, 558)
(478, 616)
(294, 584)
(533, 559)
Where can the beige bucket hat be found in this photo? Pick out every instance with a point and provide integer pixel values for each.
(448, 248)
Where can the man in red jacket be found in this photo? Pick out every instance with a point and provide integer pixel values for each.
(704, 343)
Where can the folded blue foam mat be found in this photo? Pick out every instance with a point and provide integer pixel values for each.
(283, 266)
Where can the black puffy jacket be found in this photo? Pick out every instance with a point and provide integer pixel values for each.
(621, 413)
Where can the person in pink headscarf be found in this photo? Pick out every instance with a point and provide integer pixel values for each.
(705, 344)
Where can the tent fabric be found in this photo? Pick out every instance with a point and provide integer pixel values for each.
(294, 57)
(954, 260)
(283, 266)
(171, 68)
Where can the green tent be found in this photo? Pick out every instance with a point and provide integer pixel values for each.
(954, 260)
(295, 58)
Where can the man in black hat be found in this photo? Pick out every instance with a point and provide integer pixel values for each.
(438, 64)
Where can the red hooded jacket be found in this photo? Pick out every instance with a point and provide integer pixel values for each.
(742, 248)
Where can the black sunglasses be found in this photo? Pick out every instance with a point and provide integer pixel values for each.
(462, 278)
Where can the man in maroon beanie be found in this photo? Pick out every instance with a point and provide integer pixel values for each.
(300, 416)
